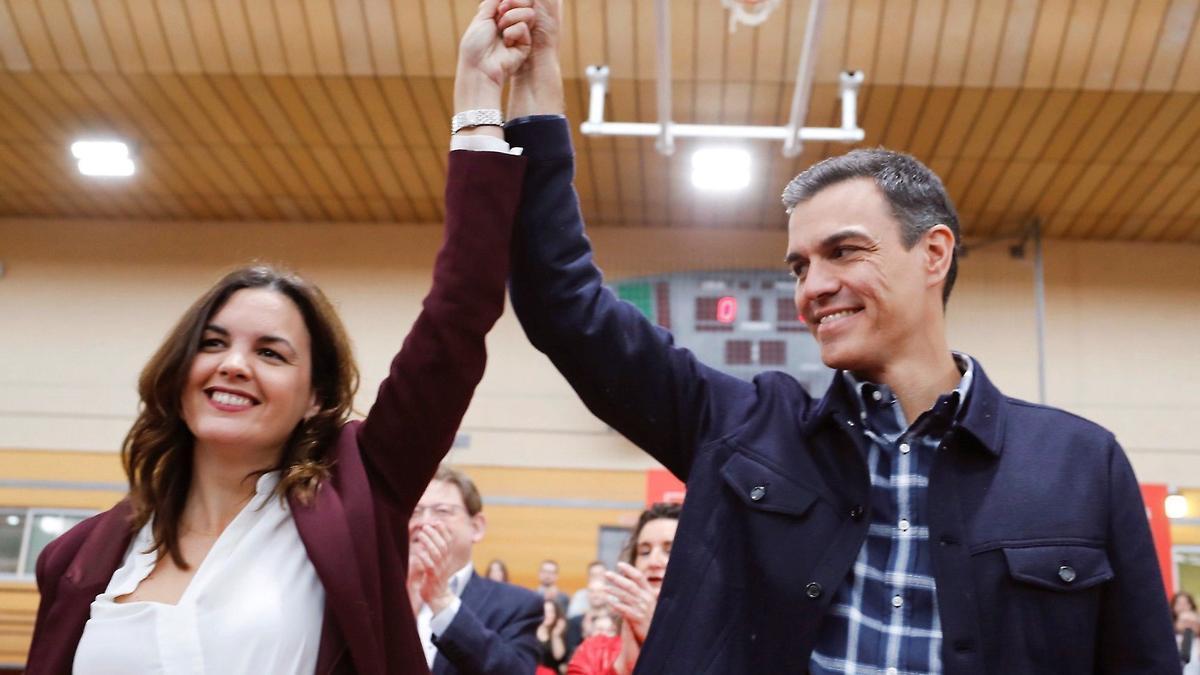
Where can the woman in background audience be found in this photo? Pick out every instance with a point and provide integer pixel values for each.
(1183, 610)
(497, 571)
(633, 590)
(550, 636)
(261, 524)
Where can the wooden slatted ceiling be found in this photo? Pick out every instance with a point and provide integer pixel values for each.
(1085, 113)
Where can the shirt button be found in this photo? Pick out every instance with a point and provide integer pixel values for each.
(856, 513)
(757, 493)
(813, 590)
(877, 395)
(1066, 573)
(903, 525)
(904, 448)
(897, 601)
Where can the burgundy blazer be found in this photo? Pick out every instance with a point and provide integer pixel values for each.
(356, 528)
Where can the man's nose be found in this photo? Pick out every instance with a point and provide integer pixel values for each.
(819, 282)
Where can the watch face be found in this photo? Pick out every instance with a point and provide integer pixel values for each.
(741, 322)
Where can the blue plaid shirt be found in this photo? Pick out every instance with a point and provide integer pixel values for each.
(884, 616)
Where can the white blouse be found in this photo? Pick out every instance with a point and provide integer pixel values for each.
(255, 605)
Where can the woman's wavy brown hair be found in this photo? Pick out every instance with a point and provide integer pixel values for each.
(157, 452)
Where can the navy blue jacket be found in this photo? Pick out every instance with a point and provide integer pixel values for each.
(494, 632)
(1017, 491)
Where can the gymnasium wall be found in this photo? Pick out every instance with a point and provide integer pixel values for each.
(85, 303)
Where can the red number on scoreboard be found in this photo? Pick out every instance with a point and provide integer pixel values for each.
(727, 309)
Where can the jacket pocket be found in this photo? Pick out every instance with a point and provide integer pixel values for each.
(762, 488)
(1063, 568)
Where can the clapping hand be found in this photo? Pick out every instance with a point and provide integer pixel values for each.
(429, 567)
(632, 597)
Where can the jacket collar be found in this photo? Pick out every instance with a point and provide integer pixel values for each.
(475, 593)
(325, 528)
(982, 416)
(103, 551)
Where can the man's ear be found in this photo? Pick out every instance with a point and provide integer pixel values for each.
(938, 249)
(478, 527)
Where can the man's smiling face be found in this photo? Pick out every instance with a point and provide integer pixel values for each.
(859, 289)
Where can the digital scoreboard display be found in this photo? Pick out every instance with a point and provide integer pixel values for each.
(740, 321)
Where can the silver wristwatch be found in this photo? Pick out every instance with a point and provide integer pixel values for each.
(475, 118)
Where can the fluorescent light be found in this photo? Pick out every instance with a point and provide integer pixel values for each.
(52, 525)
(1176, 506)
(720, 169)
(103, 158)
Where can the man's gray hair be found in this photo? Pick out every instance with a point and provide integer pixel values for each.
(916, 195)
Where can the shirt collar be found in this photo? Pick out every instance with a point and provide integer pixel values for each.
(861, 390)
(459, 581)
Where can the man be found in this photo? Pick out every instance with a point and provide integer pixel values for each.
(912, 520)
(548, 585)
(580, 627)
(579, 601)
(468, 624)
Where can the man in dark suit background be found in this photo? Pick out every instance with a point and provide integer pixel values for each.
(468, 624)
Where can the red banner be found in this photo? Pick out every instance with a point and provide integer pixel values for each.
(662, 486)
(1155, 497)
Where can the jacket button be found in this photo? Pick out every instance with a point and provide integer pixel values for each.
(757, 493)
(1066, 573)
(813, 590)
(856, 513)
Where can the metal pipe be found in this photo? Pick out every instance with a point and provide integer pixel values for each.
(804, 80)
(850, 81)
(598, 78)
(662, 13)
(833, 134)
(1039, 295)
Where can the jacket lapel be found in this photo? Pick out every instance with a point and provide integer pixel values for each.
(474, 595)
(86, 577)
(323, 529)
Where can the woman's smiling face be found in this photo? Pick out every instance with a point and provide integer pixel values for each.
(250, 383)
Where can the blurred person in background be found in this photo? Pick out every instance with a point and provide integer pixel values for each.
(579, 600)
(497, 571)
(550, 635)
(633, 595)
(262, 525)
(581, 627)
(1187, 630)
(468, 624)
(548, 584)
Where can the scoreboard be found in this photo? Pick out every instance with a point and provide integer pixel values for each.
(738, 321)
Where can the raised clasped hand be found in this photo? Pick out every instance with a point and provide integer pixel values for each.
(497, 41)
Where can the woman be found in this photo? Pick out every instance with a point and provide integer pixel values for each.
(1183, 612)
(262, 528)
(497, 571)
(633, 590)
(550, 636)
